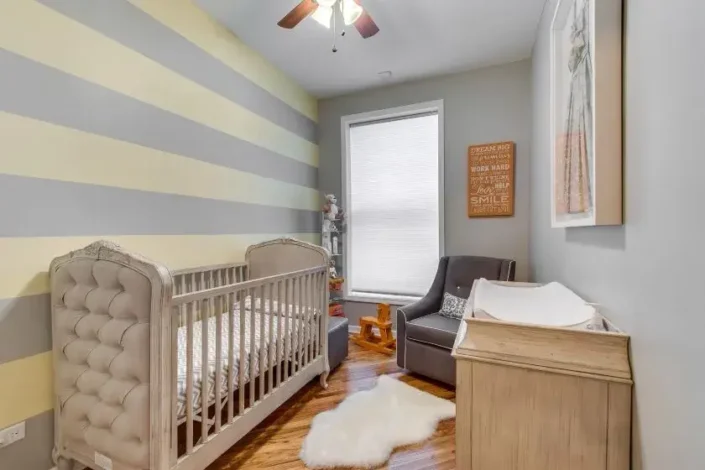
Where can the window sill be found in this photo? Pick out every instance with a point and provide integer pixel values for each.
(398, 300)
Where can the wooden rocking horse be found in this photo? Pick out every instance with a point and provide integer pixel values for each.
(385, 342)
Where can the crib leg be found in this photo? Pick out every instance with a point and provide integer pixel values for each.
(62, 463)
(324, 380)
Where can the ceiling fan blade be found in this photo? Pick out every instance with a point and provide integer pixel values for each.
(365, 25)
(297, 15)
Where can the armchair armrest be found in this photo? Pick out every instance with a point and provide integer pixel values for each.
(424, 306)
(430, 303)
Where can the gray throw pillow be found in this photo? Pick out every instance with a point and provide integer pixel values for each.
(453, 307)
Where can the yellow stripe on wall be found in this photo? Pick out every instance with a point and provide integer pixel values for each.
(26, 388)
(42, 150)
(78, 50)
(189, 20)
(25, 261)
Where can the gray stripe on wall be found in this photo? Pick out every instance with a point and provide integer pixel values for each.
(37, 91)
(25, 327)
(34, 207)
(34, 451)
(135, 29)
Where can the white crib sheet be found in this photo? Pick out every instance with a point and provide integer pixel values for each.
(297, 327)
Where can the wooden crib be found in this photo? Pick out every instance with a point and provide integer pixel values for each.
(159, 370)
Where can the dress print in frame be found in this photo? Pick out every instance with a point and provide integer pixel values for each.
(586, 127)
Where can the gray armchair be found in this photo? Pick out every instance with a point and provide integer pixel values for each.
(424, 338)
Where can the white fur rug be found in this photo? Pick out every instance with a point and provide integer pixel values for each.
(365, 428)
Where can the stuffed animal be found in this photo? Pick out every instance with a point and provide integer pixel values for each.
(330, 213)
(330, 208)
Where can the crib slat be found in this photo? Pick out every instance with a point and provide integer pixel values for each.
(205, 371)
(189, 377)
(287, 336)
(295, 326)
(300, 322)
(262, 338)
(312, 314)
(176, 315)
(314, 310)
(271, 352)
(322, 324)
(251, 349)
(322, 311)
(280, 342)
(218, 304)
(307, 312)
(294, 346)
(182, 284)
(229, 301)
(241, 342)
(307, 333)
(302, 319)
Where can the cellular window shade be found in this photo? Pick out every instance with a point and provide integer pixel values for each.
(393, 232)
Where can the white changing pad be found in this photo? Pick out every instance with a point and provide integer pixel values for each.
(551, 304)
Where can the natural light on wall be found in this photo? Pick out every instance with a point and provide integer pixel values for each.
(393, 186)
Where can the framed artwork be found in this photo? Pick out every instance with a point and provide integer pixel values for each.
(586, 113)
(491, 180)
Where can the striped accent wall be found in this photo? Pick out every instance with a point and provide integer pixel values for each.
(144, 122)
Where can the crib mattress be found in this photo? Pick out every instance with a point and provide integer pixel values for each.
(297, 327)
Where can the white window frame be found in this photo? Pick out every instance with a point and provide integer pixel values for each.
(392, 113)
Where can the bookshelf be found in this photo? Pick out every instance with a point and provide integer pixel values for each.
(333, 225)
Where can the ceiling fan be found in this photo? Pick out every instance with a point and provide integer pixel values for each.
(322, 11)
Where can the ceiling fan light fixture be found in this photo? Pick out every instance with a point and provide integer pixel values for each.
(323, 15)
(326, 3)
(351, 11)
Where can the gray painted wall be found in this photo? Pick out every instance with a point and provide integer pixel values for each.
(648, 273)
(486, 105)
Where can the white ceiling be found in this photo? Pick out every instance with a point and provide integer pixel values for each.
(417, 38)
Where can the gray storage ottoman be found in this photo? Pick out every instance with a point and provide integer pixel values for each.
(337, 341)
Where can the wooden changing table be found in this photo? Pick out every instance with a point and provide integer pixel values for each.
(541, 398)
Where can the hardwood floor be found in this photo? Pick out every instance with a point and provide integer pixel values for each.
(276, 442)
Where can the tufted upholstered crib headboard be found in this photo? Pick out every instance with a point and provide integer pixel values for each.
(283, 255)
(110, 316)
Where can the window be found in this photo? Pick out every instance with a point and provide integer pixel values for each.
(393, 185)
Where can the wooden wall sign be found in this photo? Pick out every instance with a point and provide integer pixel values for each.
(491, 180)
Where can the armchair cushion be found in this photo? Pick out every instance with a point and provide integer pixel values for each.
(433, 329)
